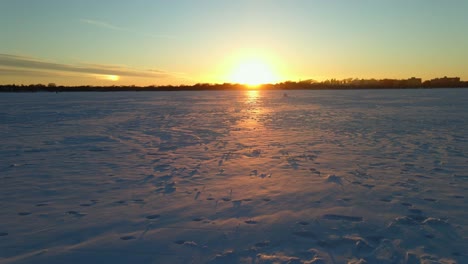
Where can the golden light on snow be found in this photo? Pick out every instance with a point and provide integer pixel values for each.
(251, 96)
(253, 72)
(253, 108)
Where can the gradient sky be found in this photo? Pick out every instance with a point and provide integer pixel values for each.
(147, 42)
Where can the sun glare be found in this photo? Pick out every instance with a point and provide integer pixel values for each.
(109, 77)
(112, 77)
(253, 72)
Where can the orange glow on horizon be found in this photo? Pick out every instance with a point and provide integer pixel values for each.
(108, 77)
(112, 77)
(253, 72)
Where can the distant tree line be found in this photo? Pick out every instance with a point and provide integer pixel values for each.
(350, 83)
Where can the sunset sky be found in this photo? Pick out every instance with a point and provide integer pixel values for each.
(146, 42)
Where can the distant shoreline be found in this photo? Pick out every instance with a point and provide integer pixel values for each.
(207, 87)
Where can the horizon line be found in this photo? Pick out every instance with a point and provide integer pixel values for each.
(330, 81)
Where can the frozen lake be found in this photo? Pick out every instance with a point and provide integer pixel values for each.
(361, 176)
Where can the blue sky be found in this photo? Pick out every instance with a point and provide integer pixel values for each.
(183, 42)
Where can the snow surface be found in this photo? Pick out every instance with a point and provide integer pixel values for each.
(360, 176)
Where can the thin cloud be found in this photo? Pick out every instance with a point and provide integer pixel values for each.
(15, 63)
(107, 25)
(102, 24)
(26, 72)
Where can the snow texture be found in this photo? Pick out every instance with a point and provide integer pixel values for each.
(359, 176)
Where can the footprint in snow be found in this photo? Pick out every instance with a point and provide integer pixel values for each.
(24, 213)
(169, 188)
(334, 179)
(165, 178)
(147, 178)
(422, 176)
(236, 203)
(251, 222)
(256, 153)
(161, 168)
(387, 200)
(153, 216)
(127, 237)
(430, 236)
(87, 204)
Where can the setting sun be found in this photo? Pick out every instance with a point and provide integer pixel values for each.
(112, 77)
(253, 72)
(108, 77)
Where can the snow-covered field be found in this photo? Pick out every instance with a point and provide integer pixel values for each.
(359, 176)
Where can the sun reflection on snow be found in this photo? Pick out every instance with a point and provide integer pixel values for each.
(253, 109)
(251, 96)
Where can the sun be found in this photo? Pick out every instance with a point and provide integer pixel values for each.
(108, 77)
(253, 72)
(112, 77)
